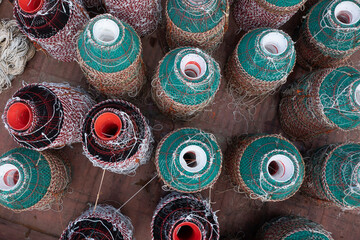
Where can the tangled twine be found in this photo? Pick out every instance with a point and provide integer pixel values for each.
(15, 51)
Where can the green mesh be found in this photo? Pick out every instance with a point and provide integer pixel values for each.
(306, 235)
(284, 3)
(172, 172)
(329, 31)
(293, 228)
(109, 58)
(337, 95)
(261, 64)
(35, 177)
(342, 175)
(254, 168)
(196, 18)
(182, 89)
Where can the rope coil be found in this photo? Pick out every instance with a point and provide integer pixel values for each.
(53, 25)
(292, 227)
(334, 175)
(196, 23)
(104, 222)
(327, 38)
(266, 167)
(31, 180)
(250, 14)
(46, 115)
(260, 63)
(15, 51)
(185, 82)
(321, 102)
(120, 142)
(184, 215)
(109, 53)
(143, 15)
(188, 160)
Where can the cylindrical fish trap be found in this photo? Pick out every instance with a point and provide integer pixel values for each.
(249, 14)
(334, 175)
(196, 23)
(260, 63)
(266, 167)
(188, 160)
(109, 53)
(143, 15)
(181, 217)
(321, 102)
(46, 115)
(101, 222)
(32, 180)
(185, 82)
(292, 227)
(116, 137)
(328, 35)
(53, 24)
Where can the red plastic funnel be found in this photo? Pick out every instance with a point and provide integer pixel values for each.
(30, 6)
(187, 231)
(19, 116)
(107, 126)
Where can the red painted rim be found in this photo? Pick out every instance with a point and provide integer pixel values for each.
(30, 6)
(19, 116)
(187, 231)
(107, 126)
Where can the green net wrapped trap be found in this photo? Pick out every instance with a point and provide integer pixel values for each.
(260, 63)
(185, 82)
(266, 167)
(334, 175)
(321, 102)
(188, 160)
(196, 23)
(109, 53)
(292, 228)
(31, 180)
(329, 34)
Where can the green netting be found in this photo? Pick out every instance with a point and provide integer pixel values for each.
(109, 57)
(35, 177)
(168, 160)
(337, 96)
(196, 17)
(293, 228)
(284, 3)
(179, 87)
(262, 64)
(254, 168)
(326, 29)
(336, 174)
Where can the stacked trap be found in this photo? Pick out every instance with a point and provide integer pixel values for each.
(101, 222)
(109, 53)
(31, 180)
(321, 102)
(260, 63)
(250, 14)
(185, 82)
(199, 23)
(53, 24)
(188, 160)
(292, 227)
(334, 175)
(143, 15)
(116, 137)
(266, 167)
(181, 217)
(329, 34)
(46, 115)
